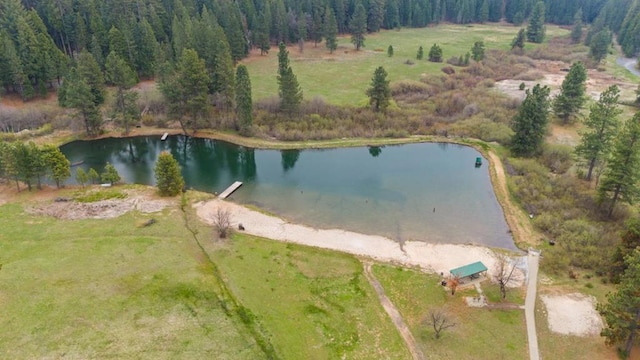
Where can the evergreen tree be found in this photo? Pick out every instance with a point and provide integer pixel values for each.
(58, 164)
(316, 29)
(76, 93)
(330, 30)
(110, 174)
(379, 92)
(358, 26)
(623, 171)
(375, 15)
(622, 310)
(168, 177)
(484, 12)
(576, 31)
(23, 159)
(146, 49)
(420, 54)
(599, 45)
(119, 74)
(630, 240)
(477, 52)
(89, 70)
(186, 91)
(435, 53)
(288, 88)
(601, 127)
(244, 104)
(518, 41)
(535, 29)
(530, 123)
(81, 176)
(572, 90)
(262, 32)
(390, 51)
(392, 15)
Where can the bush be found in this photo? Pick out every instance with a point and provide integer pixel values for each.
(558, 158)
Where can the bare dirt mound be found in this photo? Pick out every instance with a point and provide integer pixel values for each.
(572, 314)
(104, 209)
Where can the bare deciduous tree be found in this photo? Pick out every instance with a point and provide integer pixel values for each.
(222, 222)
(503, 271)
(439, 320)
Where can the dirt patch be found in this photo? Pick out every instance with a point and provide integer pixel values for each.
(572, 314)
(105, 209)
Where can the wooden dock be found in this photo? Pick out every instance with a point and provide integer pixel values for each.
(164, 137)
(230, 190)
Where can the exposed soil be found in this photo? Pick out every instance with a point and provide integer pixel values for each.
(572, 314)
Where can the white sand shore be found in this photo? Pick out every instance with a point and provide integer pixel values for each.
(435, 258)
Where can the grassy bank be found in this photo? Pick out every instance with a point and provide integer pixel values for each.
(316, 303)
(109, 289)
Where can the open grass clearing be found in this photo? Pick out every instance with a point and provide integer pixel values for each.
(342, 77)
(110, 289)
(479, 333)
(317, 304)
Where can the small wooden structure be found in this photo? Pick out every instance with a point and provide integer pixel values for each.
(164, 136)
(230, 189)
(471, 271)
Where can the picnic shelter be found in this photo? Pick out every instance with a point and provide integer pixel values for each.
(471, 270)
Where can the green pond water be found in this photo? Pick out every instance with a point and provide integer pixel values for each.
(429, 192)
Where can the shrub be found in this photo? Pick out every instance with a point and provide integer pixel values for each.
(558, 158)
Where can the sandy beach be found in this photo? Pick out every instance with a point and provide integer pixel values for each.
(436, 258)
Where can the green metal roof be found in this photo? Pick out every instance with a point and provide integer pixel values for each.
(468, 270)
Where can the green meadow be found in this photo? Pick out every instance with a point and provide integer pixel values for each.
(342, 78)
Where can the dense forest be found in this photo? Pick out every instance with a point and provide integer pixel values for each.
(40, 40)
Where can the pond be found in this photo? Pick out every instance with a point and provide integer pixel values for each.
(428, 192)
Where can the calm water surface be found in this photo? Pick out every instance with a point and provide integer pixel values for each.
(428, 192)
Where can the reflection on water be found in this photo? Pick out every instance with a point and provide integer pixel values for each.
(428, 192)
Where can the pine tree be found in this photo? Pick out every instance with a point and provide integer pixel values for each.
(110, 174)
(288, 87)
(435, 53)
(119, 74)
(622, 310)
(186, 91)
(599, 45)
(89, 70)
(263, 30)
(390, 51)
(330, 30)
(317, 27)
(572, 90)
(484, 12)
(629, 241)
(244, 104)
(375, 15)
(623, 171)
(535, 29)
(358, 26)
(57, 163)
(518, 41)
(379, 92)
(477, 52)
(576, 31)
(601, 128)
(530, 123)
(168, 177)
(420, 54)
(76, 93)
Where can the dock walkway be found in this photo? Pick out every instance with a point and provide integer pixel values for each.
(230, 190)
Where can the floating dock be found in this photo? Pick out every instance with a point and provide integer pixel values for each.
(164, 137)
(230, 190)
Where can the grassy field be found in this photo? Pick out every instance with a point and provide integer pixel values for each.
(317, 304)
(109, 289)
(342, 77)
(478, 334)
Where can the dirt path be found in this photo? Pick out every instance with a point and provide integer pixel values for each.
(393, 312)
(517, 220)
(530, 304)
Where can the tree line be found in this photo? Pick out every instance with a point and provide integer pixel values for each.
(620, 17)
(40, 40)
